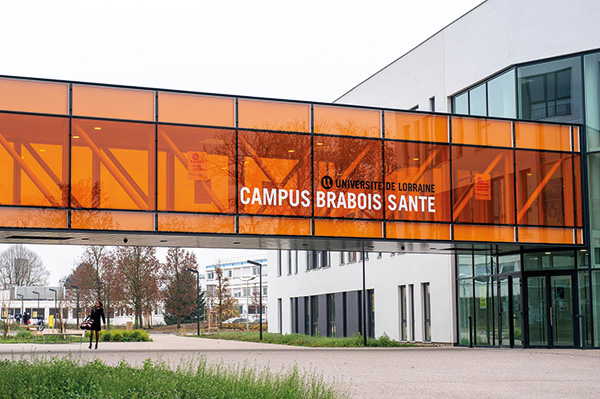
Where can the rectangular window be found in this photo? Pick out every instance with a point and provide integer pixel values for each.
(307, 315)
(460, 104)
(342, 257)
(371, 313)
(289, 262)
(279, 263)
(280, 315)
(345, 313)
(432, 103)
(403, 314)
(426, 313)
(295, 262)
(411, 294)
(352, 256)
(314, 315)
(331, 315)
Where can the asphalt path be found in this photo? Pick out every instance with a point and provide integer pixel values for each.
(431, 372)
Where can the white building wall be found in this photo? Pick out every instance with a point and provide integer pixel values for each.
(384, 275)
(491, 37)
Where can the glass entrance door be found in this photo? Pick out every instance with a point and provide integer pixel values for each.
(509, 311)
(550, 303)
(561, 311)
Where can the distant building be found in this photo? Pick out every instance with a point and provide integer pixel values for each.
(243, 282)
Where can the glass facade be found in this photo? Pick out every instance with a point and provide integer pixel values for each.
(559, 90)
(119, 159)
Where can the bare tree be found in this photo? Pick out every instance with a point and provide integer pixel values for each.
(137, 270)
(22, 267)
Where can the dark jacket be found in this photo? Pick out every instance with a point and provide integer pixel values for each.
(96, 314)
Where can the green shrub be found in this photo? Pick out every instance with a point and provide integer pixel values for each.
(24, 335)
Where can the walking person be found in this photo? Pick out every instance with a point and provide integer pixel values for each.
(96, 313)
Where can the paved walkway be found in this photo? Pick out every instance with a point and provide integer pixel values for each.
(372, 373)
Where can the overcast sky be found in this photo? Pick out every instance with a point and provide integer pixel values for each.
(301, 50)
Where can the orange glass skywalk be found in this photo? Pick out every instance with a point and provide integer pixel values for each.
(91, 162)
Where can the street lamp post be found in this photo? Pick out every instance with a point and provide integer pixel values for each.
(197, 298)
(55, 292)
(22, 309)
(38, 307)
(105, 303)
(259, 293)
(77, 288)
(247, 280)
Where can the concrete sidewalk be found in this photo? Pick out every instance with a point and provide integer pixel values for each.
(371, 373)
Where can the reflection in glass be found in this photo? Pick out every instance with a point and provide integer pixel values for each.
(460, 104)
(477, 101)
(465, 311)
(509, 264)
(33, 159)
(196, 169)
(585, 321)
(465, 265)
(594, 204)
(483, 311)
(551, 91)
(596, 304)
(113, 164)
(536, 297)
(419, 165)
(591, 64)
(347, 161)
(483, 185)
(544, 188)
(274, 173)
(501, 95)
(562, 310)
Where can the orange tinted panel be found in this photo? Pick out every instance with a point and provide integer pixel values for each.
(107, 102)
(33, 218)
(270, 115)
(274, 173)
(481, 132)
(464, 232)
(417, 127)
(107, 220)
(34, 156)
(196, 169)
(196, 110)
(578, 190)
(546, 235)
(542, 137)
(31, 96)
(417, 231)
(347, 121)
(113, 164)
(483, 182)
(417, 182)
(196, 223)
(274, 226)
(353, 169)
(576, 139)
(579, 236)
(545, 188)
(348, 228)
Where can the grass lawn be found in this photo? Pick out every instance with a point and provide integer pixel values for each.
(306, 340)
(65, 378)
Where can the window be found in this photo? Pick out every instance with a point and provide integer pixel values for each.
(307, 314)
(279, 315)
(314, 315)
(432, 103)
(295, 262)
(289, 262)
(341, 258)
(352, 256)
(546, 95)
(426, 313)
(210, 275)
(345, 313)
(371, 313)
(501, 95)
(279, 263)
(411, 294)
(331, 315)
(478, 100)
(460, 104)
(403, 314)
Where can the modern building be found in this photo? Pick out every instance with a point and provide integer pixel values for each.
(45, 302)
(537, 61)
(487, 210)
(243, 280)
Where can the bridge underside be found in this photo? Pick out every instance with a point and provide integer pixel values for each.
(251, 242)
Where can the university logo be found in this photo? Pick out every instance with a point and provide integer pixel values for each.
(326, 182)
